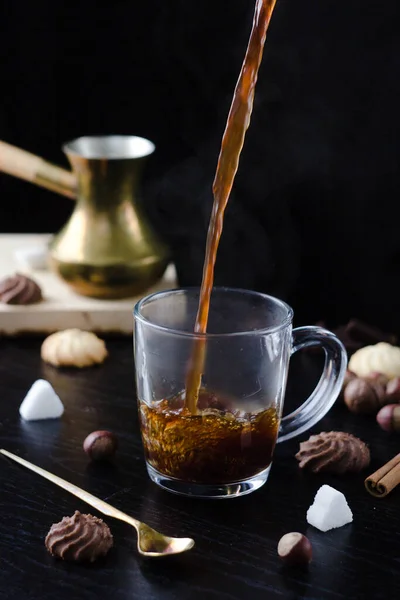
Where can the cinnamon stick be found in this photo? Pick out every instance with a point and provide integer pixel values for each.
(383, 481)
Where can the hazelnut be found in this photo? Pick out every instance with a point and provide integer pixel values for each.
(295, 549)
(100, 445)
(349, 376)
(393, 390)
(364, 396)
(388, 418)
(376, 376)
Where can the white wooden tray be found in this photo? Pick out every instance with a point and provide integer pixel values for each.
(61, 307)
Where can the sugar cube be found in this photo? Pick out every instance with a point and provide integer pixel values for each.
(41, 402)
(329, 510)
(32, 257)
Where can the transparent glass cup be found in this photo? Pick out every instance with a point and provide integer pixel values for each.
(224, 448)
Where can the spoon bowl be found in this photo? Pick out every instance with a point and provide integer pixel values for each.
(152, 543)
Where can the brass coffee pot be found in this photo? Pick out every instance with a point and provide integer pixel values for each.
(107, 249)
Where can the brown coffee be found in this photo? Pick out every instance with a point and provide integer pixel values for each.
(198, 436)
(220, 444)
(228, 162)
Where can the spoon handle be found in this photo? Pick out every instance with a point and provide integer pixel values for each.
(100, 505)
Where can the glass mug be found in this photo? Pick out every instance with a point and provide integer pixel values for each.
(224, 448)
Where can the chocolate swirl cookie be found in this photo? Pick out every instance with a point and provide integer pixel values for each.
(80, 538)
(333, 452)
(19, 289)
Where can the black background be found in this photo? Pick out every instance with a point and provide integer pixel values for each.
(314, 214)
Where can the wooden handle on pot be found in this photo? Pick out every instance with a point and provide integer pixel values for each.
(24, 165)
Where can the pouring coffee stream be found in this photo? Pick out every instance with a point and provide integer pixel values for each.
(228, 162)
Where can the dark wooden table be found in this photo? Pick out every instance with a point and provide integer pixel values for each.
(235, 553)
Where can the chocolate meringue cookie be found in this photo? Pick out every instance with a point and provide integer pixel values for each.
(80, 538)
(333, 452)
(19, 289)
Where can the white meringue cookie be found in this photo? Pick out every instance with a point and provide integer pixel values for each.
(382, 358)
(73, 348)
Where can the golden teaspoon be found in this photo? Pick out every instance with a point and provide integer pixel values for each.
(150, 543)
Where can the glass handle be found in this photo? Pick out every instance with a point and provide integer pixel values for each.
(329, 386)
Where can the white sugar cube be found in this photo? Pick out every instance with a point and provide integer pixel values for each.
(32, 257)
(41, 402)
(329, 510)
